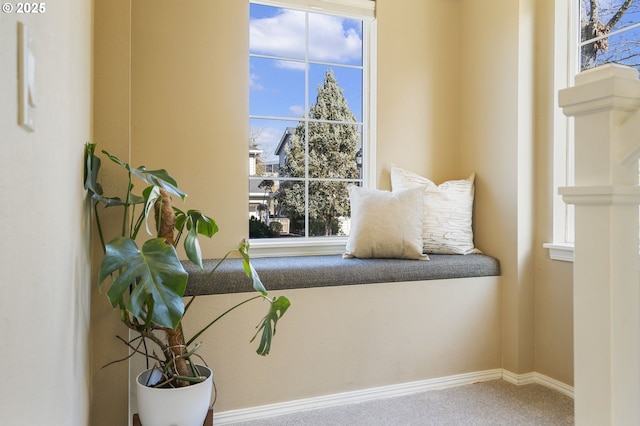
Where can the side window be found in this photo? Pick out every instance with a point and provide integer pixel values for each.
(309, 133)
(609, 33)
(600, 32)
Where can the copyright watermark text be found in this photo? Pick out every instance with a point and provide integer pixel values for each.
(30, 8)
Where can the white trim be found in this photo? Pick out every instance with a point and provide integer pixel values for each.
(371, 107)
(605, 195)
(560, 251)
(566, 58)
(609, 34)
(309, 246)
(268, 247)
(363, 9)
(541, 379)
(339, 399)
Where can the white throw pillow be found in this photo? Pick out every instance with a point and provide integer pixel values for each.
(385, 224)
(448, 211)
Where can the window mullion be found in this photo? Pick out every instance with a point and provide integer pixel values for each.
(607, 35)
(306, 126)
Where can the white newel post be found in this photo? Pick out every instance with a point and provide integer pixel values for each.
(605, 102)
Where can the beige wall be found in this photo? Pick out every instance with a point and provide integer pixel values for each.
(554, 279)
(474, 100)
(189, 99)
(44, 309)
(508, 57)
(418, 88)
(111, 129)
(496, 141)
(508, 96)
(341, 339)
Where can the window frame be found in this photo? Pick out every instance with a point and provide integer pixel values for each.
(566, 66)
(359, 9)
(569, 14)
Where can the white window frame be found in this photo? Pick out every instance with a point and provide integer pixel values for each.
(569, 48)
(566, 66)
(360, 9)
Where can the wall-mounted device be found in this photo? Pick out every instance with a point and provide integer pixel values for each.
(26, 80)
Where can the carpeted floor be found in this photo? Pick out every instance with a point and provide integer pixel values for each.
(494, 402)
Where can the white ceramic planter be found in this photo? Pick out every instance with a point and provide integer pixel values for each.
(187, 406)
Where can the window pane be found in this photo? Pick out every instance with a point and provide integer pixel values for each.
(277, 88)
(277, 32)
(272, 208)
(267, 142)
(329, 208)
(349, 86)
(291, 201)
(609, 33)
(622, 48)
(607, 11)
(293, 152)
(334, 39)
(333, 151)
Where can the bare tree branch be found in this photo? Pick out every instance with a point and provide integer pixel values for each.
(594, 12)
(618, 15)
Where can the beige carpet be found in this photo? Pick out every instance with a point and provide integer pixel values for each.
(489, 403)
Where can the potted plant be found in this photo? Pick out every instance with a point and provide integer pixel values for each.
(147, 283)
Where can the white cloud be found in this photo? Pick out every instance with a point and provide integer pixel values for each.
(330, 41)
(283, 35)
(253, 82)
(297, 110)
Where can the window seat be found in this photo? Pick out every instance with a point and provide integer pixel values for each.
(282, 273)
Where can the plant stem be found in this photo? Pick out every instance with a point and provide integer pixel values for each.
(127, 199)
(133, 232)
(221, 315)
(220, 262)
(99, 226)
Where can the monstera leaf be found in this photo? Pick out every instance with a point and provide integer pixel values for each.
(268, 324)
(196, 224)
(152, 279)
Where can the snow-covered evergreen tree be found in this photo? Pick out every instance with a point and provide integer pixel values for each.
(332, 150)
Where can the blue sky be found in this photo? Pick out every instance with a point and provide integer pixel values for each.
(278, 86)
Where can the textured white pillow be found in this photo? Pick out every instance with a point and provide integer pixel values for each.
(385, 224)
(448, 211)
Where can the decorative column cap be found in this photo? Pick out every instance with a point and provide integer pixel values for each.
(607, 87)
(606, 71)
(601, 195)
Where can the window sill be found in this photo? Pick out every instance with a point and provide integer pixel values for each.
(560, 251)
(276, 247)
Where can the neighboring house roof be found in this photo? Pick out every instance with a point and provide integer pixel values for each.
(284, 140)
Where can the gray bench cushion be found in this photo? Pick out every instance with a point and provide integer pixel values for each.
(282, 273)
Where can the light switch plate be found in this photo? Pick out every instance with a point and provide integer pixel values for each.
(26, 80)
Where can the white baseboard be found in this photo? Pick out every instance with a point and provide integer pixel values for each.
(541, 379)
(296, 406)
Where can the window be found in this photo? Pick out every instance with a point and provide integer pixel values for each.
(609, 33)
(310, 119)
(601, 32)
